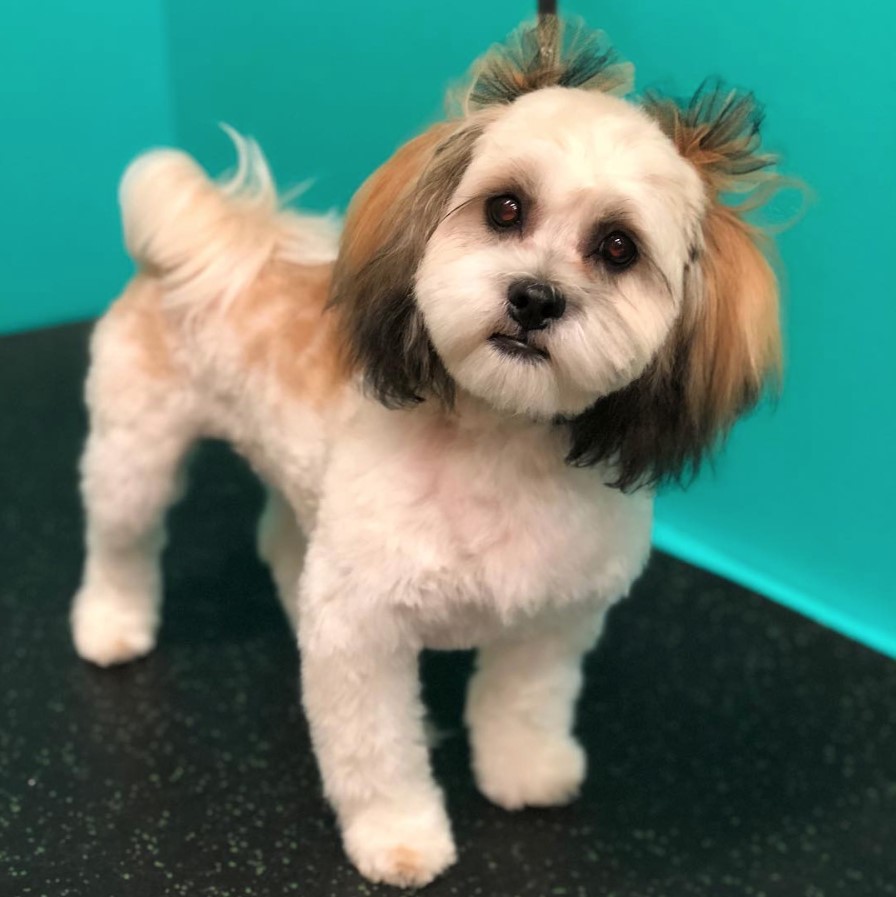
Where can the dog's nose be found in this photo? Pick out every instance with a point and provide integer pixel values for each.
(533, 305)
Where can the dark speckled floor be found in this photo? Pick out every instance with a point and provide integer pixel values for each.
(736, 748)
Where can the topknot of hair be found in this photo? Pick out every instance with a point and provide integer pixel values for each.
(549, 52)
(718, 132)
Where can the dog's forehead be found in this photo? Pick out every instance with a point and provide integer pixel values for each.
(586, 133)
(565, 107)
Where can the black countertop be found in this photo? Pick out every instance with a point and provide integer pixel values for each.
(736, 748)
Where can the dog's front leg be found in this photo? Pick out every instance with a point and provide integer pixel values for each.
(521, 710)
(361, 691)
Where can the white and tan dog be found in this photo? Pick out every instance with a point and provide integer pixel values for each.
(540, 310)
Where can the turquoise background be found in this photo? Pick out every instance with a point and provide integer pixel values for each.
(801, 505)
(83, 87)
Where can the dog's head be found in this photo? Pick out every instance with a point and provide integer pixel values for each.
(564, 254)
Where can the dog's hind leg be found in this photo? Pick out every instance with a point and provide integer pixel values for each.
(281, 545)
(141, 426)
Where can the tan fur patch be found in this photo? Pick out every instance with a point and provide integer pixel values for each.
(139, 311)
(406, 863)
(286, 329)
(737, 343)
(367, 222)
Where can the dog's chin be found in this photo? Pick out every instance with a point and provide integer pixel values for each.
(517, 376)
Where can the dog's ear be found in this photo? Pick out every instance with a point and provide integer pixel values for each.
(389, 223)
(726, 347)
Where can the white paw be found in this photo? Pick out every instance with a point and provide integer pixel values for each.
(108, 631)
(398, 846)
(532, 770)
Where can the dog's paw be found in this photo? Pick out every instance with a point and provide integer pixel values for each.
(398, 846)
(108, 632)
(531, 771)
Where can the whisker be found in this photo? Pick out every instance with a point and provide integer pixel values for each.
(457, 208)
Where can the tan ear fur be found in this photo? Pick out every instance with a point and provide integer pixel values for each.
(735, 348)
(389, 224)
(734, 342)
(367, 214)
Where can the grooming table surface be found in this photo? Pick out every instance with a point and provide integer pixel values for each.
(735, 748)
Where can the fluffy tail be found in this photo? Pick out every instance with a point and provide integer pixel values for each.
(206, 241)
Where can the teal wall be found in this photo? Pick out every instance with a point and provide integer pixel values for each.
(83, 86)
(801, 504)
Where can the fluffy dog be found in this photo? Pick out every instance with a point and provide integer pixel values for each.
(539, 309)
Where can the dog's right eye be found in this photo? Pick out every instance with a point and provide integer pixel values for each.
(504, 211)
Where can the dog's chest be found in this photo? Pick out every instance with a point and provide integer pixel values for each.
(483, 513)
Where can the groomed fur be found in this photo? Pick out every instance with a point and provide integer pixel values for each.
(717, 131)
(550, 52)
(206, 241)
(443, 524)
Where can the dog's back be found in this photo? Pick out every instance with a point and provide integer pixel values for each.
(229, 302)
(222, 266)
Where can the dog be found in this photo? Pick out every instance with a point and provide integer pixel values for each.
(539, 310)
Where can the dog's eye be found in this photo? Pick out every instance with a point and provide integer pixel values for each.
(618, 249)
(504, 211)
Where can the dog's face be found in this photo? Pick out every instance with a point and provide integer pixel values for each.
(557, 272)
(563, 254)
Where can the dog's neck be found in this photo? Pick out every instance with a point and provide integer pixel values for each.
(473, 419)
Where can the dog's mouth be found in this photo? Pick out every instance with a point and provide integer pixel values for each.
(518, 347)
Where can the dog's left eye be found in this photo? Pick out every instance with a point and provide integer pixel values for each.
(618, 249)
(504, 211)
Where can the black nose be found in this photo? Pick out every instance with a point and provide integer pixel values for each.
(533, 304)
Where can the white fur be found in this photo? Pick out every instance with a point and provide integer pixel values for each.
(424, 528)
(583, 154)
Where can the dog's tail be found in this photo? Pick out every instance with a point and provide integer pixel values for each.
(205, 240)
